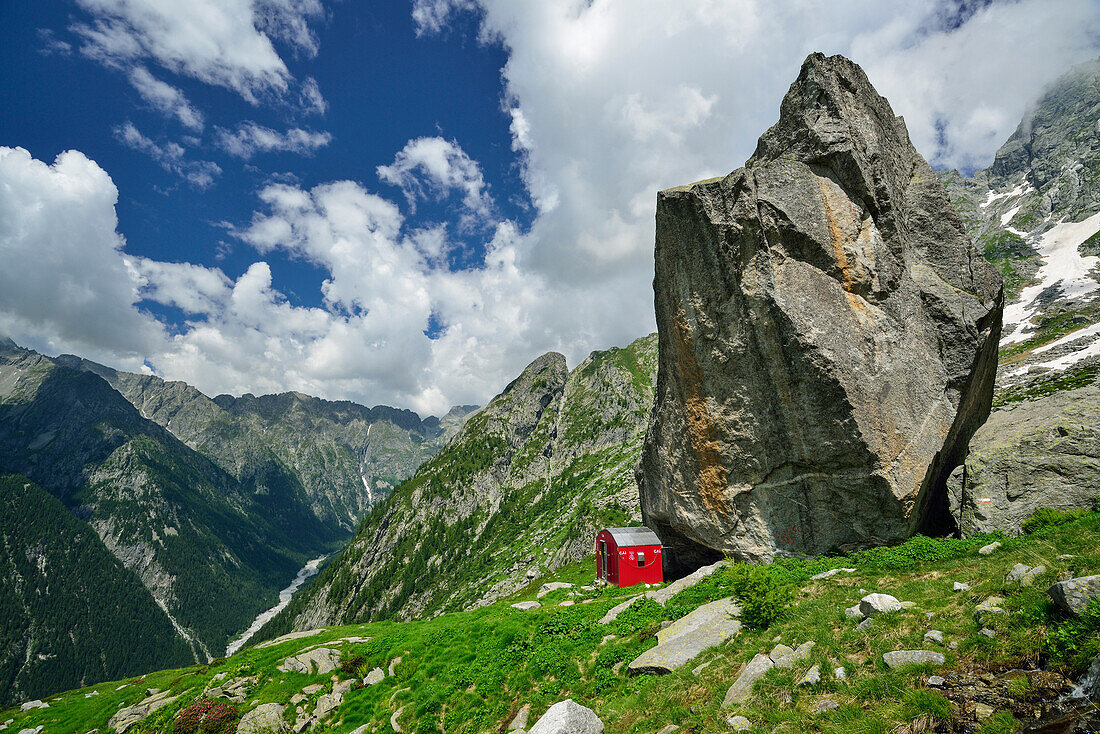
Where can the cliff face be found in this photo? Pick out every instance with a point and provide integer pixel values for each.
(827, 338)
(522, 489)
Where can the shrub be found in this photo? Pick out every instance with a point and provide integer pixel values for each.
(764, 592)
(1048, 517)
(1074, 641)
(207, 717)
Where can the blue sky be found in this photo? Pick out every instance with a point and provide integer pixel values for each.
(406, 202)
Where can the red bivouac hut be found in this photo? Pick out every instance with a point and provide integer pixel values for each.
(628, 556)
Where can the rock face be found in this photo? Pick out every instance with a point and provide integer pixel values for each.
(1038, 453)
(827, 338)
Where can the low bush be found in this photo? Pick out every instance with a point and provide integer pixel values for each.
(207, 717)
(764, 592)
(1048, 517)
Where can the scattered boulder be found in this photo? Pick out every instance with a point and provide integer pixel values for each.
(614, 612)
(1075, 594)
(960, 586)
(829, 272)
(519, 721)
(935, 636)
(738, 723)
(568, 717)
(319, 661)
(826, 704)
(127, 717)
(35, 704)
(742, 687)
(267, 718)
(865, 624)
(873, 604)
(661, 596)
(853, 612)
(812, 677)
(840, 673)
(986, 550)
(901, 658)
(784, 657)
(374, 677)
(1041, 453)
(1024, 575)
(552, 586)
(709, 625)
(988, 609)
(936, 681)
(526, 605)
(831, 573)
(986, 632)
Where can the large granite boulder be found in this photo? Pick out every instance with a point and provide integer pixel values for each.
(709, 625)
(1032, 454)
(568, 717)
(827, 338)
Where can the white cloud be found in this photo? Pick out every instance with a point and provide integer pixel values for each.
(221, 42)
(434, 167)
(66, 285)
(170, 156)
(431, 16)
(165, 98)
(310, 99)
(249, 139)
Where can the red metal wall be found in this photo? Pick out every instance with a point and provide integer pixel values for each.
(623, 569)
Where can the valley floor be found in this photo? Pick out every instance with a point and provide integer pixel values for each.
(473, 671)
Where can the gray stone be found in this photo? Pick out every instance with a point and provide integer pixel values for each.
(784, 657)
(853, 612)
(988, 609)
(374, 677)
(319, 661)
(519, 721)
(709, 625)
(986, 632)
(831, 573)
(568, 717)
(840, 673)
(1041, 453)
(936, 681)
(780, 653)
(1024, 575)
(326, 704)
(901, 658)
(986, 550)
(343, 687)
(614, 612)
(934, 636)
(1075, 594)
(700, 668)
(791, 297)
(953, 645)
(393, 664)
(826, 704)
(313, 688)
(812, 677)
(873, 604)
(661, 596)
(35, 704)
(959, 586)
(526, 605)
(267, 718)
(738, 723)
(742, 687)
(128, 716)
(908, 604)
(668, 729)
(865, 624)
(552, 586)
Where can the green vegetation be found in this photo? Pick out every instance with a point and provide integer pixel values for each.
(1048, 517)
(1091, 246)
(1057, 381)
(469, 672)
(1049, 329)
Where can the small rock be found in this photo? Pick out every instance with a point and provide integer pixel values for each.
(853, 612)
(901, 658)
(298, 698)
(312, 688)
(936, 681)
(526, 605)
(865, 624)
(394, 663)
(959, 586)
(326, 704)
(700, 668)
(738, 723)
(908, 604)
(567, 603)
(668, 729)
(267, 718)
(812, 677)
(568, 717)
(934, 636)
(35, 704)
(986, 632)
(1066, 557)
(608, 638)
(152, 691)
(953, 645)
(781, 652)
(343, 687)
(873, 604)
(520, 720)
(742, 687)
(665, 624)
(588, 588)
(1075, 594)
(991, 607)
(840, 673)
(618, 609)
(784, 697)
(552, 586)
(831, 573)
(985, 550)
(929, 615)
(982, 712)
(319, 661)
(826, 704)
(618, 666)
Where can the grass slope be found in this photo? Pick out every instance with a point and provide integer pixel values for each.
(470, 672)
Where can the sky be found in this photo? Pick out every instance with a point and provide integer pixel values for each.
(405, 203)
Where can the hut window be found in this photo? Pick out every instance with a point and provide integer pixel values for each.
(641, 559)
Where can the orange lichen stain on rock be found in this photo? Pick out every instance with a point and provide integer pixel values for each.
(847, 280)
(701, 429)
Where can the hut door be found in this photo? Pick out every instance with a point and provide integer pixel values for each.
(603, 560)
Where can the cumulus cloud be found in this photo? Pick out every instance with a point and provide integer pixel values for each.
(250, 138)
(170, 156)
(165, 98)
(434, 167)
(72, 289)
(226, 43)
